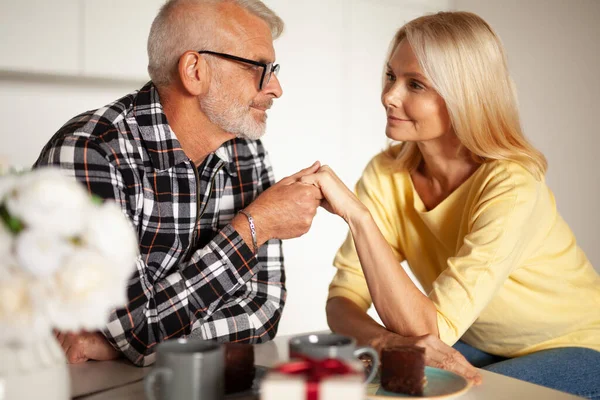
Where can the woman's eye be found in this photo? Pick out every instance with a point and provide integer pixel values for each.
(415, 85)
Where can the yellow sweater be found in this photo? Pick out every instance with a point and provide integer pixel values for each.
(498, 261)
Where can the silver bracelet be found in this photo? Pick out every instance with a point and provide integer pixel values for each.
(252, 229)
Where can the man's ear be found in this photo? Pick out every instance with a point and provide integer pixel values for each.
(194, 73)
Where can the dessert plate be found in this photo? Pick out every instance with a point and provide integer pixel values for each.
(441, 384)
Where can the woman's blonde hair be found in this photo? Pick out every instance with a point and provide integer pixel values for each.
(465, 61)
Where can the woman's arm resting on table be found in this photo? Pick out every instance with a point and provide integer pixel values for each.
(394, 295)
(345, 317)
(403, 308)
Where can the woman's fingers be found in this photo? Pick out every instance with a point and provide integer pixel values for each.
(338, 199)
(453, 363)
(440, 355)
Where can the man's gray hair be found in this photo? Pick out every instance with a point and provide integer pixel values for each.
(173, 33)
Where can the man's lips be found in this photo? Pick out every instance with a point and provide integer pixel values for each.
(262, 106)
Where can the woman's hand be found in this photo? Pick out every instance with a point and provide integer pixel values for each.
(437, 353)
(338, 199)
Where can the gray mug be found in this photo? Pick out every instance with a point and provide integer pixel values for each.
(321, 346)
(187, 369)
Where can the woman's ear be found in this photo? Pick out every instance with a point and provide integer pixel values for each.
(194, 73)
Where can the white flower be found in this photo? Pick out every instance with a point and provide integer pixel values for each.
(19, 318)
(41, 252)
(85, 292)
(110, 233)
(13, 295)
(51, 201)
(7, 184)
(6, 241)
(69, 265)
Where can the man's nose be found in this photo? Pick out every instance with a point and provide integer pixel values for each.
(273, 87)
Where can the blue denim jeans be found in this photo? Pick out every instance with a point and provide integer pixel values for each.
(574, 370)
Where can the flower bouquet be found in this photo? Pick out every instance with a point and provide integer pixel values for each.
(65, 259)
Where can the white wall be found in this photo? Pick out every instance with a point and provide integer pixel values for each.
(553, 51)
(32, 110)
(332, 61)
(331, 70)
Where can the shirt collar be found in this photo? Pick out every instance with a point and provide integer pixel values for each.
(225, 154)
(160, 141)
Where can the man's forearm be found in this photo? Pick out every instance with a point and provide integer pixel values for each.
(256, 321)
(184, 300)
(255, 310)
(169, 307)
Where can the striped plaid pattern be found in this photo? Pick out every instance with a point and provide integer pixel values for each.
(195, 276)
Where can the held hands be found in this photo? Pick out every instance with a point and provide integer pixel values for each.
(338, 199)
(437, 353)
(286, 210)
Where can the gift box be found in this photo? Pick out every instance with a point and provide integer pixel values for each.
(308, 379)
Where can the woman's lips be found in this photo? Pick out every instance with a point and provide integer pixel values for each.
(396, 119)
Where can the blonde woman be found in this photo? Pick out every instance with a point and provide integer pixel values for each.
(463, 200)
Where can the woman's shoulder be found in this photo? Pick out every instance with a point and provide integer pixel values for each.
(383, 177)
(506, 177)
(385, 165)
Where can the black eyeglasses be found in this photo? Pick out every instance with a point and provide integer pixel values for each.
(267, 69)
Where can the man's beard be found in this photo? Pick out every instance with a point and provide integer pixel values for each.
(224, 110)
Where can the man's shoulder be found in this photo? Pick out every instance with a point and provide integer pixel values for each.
(107, 130)
(103, 124)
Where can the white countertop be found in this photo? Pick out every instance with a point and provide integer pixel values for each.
(119, 380)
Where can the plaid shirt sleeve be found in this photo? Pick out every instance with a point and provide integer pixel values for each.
(223, 292)
(252, 313)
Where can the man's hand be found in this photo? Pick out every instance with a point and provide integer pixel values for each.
(285, 210)
(338, 199)
(84, 346)
(437, 353)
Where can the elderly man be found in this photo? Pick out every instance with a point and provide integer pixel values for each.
(182, 158)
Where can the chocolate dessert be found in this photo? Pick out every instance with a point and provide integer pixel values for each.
(403, 369)
(239, 367)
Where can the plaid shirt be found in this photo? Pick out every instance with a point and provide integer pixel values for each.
(196, 276)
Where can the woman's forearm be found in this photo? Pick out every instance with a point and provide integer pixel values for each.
(400, 304)
(346, 318)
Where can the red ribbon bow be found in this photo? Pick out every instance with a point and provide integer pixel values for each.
(314, 371)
